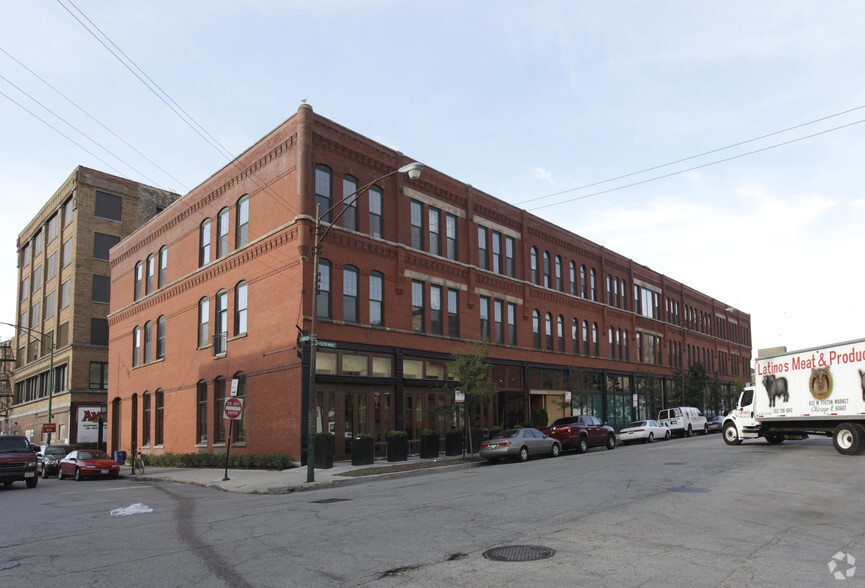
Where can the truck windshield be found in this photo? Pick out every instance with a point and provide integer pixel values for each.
(15, 445)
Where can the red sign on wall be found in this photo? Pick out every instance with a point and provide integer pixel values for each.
(49, 427)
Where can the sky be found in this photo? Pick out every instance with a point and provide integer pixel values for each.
(718, 143)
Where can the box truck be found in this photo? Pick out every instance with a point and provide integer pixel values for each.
(819, 391)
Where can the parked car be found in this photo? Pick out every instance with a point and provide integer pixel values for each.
(519, 444)
(582, 432)
(644, 431)
(88, 463)
(683, 421)
(49, 457)
(715, 424)
(17, 461)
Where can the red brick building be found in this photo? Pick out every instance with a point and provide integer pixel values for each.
(412, 271)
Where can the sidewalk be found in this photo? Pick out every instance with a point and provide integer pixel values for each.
(294, 479)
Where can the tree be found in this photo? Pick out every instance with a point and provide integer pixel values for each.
(472, 374)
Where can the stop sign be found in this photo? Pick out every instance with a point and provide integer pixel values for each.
(233, 408)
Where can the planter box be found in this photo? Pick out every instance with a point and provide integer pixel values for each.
(397, 449)
(477, 439)
(429, 446)
(454, 444)
(362, 452)
(323, 454)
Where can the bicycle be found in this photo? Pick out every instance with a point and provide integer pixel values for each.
(137, 464)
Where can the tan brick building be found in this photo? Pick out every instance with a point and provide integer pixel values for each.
(411, 272)
(63, 301)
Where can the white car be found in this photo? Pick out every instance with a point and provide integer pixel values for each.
(645, 431)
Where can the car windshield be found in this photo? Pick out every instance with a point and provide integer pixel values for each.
(509, 434)
(14, 445)
(51, 450)
(636, 424)
(92, 455)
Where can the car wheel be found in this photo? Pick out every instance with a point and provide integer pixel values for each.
(731, 435)
(651, 438)
(582, 445)
(555, 450)
(77, 474)
(705, 429)
(60, 475)
(31, 482)
(667, 435)
(44, 472)
(611, 442)
(524, 454)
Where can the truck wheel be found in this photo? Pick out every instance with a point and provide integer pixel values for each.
(774, 438)
(31, 482)
(731, 435)
(582, 445)
(848, 438)
(689, 432)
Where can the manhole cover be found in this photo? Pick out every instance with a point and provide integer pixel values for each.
(330, 500)
(5, 565)
(519, 553)
(685, 489)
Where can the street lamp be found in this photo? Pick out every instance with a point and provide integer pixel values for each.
(413, 171)
(50, 364)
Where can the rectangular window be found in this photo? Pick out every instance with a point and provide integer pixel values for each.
(451, 234)
(453, 313)
(51, 231)
(36, 315)
(350, 294)
(102, 244)
(25, 255)
(67, 213)
(349, 216)
(375, 222)
(101, 289)
(65, 292)
(512, 323)
(435, 237)
(99, 331)
(435, 305)
(38, 243)
(109, 206)
(218, 407)
(497, 252)
(160, 417)
(98, 375)
(51, 266)
(202, 412)
(498, 321)
(50, 304)
(25, 288)
(417, 306)
(483, 255)
(416, 224)
(485, 318)
(37, 278)
(323, 302)
(67, 252)
(376, 299)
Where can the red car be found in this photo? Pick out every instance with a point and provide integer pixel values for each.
(88, 463)
(581, 432)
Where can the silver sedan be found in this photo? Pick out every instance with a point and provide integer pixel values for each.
(519, 444)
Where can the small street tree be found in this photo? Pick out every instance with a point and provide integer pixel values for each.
(470, 370)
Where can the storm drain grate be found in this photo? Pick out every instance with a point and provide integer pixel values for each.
(519, 553)
(686, 489)
(330, 500)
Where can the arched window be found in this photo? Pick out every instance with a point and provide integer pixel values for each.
(612, 342)
(222, 233)
(241, 230)
(160, 337)
(558, 268)
(220, 330)
(240, 305)
(573, 276)
(145, 420)
(148, 342)
(151, 274)
(583, 283)
(139, 277)
(376, 298)
(159, 434)
(136, 346)
(548, 324)
(585, 337)
(595, 350)
(204, 243)
(536, 328)
(323, 301)
(560, 332)
(218, 408)
(201, 421)
(163, 267)
(203, 322)
(547, 270)
(594, 286)
(322, 192)
(533, 258)
(375, 212)
(575, 336)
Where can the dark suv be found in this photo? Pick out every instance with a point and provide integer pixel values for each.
(582, 432)
(17, 461)
(49, 458)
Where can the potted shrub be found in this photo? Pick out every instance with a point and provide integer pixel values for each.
(454, 442)
(397, 445)
(324, 450)
(429, 444)
(362, 450)
(477, 438)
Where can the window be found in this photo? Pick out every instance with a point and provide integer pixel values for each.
(38, 242)
(435, 235)
(453, 313)
(203, 322)
(163, 267)
(322, 192)
(101, 289)
(204, 243)
(483, 254)
(323, 301)
(222, 233)
(98, 375)
(201, 421)
(102, 244)
(151, 274)
(435, 306)
(51, 231)
(349, 216)
(497, 252)
(548, 324)
(241, 231)
(160, 417)
(148, 342)
(218, 407)
(583, 284)
(375, 221)
(573, 277)
(536, 328)
(595, 350)
(67, 252)
(145, 421)
(350, 301)
(376, 298)
(99, 331)
(37, 278)
(240, 305)
(239, 432)
(560, 333)
(220, 330)
(51, 266)
(585, 337)
(417, 306)
(594, 286)
(498, 321)
(575, 336)
(646, 301)
(416, 224)
(67, 213)
(160, 337)
(451, 234)
(65, 292)
(609, 290)
(136, 346)
(485, 318)
(109, 206)
(139, 278)
(612, 342)
(547, 283)
(50, 305)
(533, 257)
(509, 257)
(559, 273)
(25, 288)
(512, 323)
